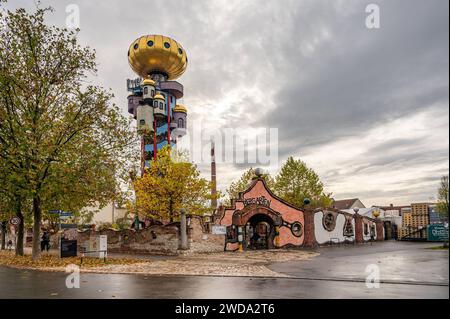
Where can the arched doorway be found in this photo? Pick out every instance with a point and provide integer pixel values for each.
(260, 232)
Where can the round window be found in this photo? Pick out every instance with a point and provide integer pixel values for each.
(136, 46)
(150, 43)
(329, 221)
(297, 229)
(166, 45)
(180, 51)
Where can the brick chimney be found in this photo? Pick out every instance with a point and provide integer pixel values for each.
(213, 176)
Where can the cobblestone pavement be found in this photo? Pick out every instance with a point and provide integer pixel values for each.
(249, 263)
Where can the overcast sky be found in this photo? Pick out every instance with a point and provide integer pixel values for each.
(367, 109)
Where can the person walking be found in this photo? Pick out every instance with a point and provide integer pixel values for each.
(45, 243)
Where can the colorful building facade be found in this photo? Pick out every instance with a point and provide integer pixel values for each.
(258, 219)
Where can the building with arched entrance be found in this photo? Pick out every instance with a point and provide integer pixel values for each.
(258, 219)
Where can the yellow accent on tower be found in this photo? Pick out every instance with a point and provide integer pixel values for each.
(157, 54)
(180, 108)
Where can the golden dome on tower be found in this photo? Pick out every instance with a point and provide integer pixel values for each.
(180, 108)
(148, 82)
(157, 54)
(159, 97)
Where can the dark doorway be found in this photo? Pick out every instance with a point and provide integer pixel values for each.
(388, 230)
(260, 232)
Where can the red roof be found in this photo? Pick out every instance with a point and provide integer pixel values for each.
(344, 203)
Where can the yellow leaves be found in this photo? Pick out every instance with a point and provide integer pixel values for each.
(8, 258)
(170, 185)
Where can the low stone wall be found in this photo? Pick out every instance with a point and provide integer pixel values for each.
(201, 241)
(153, 240)
(157, 239)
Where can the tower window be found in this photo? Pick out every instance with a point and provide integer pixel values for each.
(153, 93)
(180, 123)
(155, 104)
(150, 43)
(171, 99)
(146, 90)
(166, 45)
(160, 105)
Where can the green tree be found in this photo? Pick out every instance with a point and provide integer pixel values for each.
(169, 184)
(243, 183)
(296, 181)
(442, 204)
(65, 143)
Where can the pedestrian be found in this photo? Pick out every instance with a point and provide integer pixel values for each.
(45, 243)
(9, 245)
(372, 234)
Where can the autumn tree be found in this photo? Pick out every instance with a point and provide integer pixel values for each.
(244, 182)
(13, 199)
(63, 140)
(442, 204)
(296, 181)
(4, 217)
(170, 184)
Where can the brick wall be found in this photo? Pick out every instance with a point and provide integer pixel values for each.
(202, 241)
(153, 240)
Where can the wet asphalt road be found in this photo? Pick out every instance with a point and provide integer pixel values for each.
(407, 271)
(398, 262)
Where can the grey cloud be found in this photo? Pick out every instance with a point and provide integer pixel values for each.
(354, 80)
(361, 77)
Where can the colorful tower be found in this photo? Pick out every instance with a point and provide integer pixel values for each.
(157, 60)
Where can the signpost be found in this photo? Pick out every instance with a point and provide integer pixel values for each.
(68, 240)
(437, 232)
(68, 248)
(65, 215)
(15, 221)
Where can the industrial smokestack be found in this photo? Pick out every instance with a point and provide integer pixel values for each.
(213, 177)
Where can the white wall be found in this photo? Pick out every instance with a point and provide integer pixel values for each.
(323, 235)
(105, 215)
